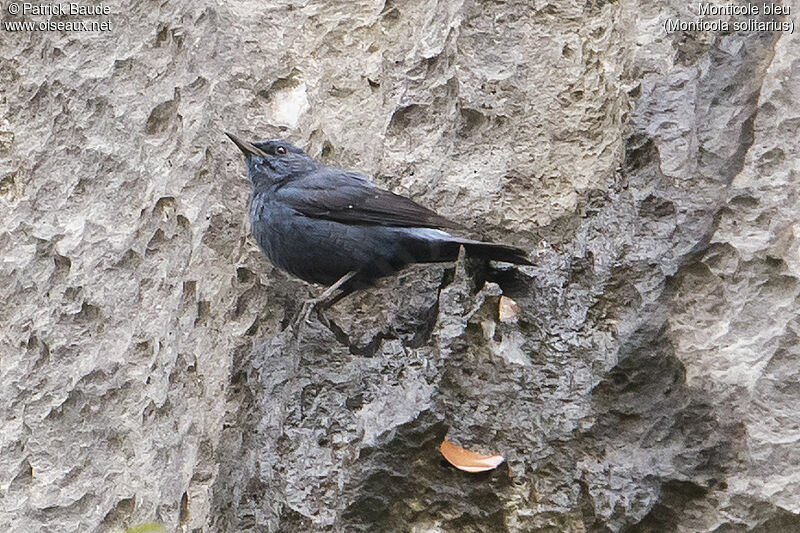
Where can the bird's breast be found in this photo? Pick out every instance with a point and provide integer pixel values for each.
(265, 218)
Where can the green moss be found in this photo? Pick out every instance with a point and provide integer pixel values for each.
(149, 527)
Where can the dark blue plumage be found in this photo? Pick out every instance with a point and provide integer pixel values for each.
(321, 223)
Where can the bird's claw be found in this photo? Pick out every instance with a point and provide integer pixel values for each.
(303, 316)
(325, 300)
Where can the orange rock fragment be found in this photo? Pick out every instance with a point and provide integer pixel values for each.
(467, 460)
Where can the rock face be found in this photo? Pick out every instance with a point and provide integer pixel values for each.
(648, 384)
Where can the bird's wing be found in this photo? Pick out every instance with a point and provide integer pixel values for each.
(350, 198)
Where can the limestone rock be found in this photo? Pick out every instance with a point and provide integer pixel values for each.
(647, 383)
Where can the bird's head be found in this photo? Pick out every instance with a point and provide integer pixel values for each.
(273, 161)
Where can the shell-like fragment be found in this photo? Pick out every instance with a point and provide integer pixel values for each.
(509, 310)
(467, 460)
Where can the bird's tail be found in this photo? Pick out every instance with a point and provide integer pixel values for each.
(426, 245)
(495, 252)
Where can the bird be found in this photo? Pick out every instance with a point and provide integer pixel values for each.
(336, 228)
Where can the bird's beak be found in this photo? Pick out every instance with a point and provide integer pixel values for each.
(247, 148)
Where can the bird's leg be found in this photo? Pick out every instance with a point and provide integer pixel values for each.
(313, 303)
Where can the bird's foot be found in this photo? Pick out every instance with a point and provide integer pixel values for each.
(319, 304)
(303, 316)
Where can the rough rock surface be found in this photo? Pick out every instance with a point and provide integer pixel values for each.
(649, 383)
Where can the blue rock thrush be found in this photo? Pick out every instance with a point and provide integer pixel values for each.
(334, 227)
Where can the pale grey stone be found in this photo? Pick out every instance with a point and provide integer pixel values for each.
(649, 384)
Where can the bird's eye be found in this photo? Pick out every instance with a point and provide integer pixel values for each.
(280, 150)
